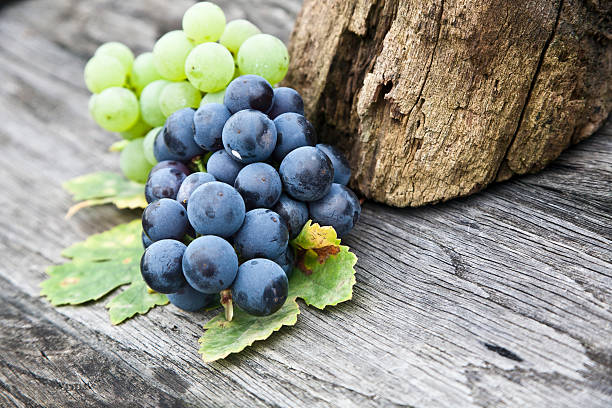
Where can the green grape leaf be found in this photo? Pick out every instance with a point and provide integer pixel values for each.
(223, 338)
(329, 283)
(324, 274)
(314, 245)
(121, 242)
(104, 188)
(137, 298)
(314, 236)
(78, 282)
(98, 266)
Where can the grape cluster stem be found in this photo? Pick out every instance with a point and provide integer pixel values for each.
(199, 164)
(226, 301)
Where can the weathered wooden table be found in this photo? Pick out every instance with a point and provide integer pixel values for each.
(500, 299)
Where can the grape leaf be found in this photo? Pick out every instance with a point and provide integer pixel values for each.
(324, 273)
(99, 265)
(329, 283)
(314, 236)
(135, 299)
(120, 242)
(104, 188)
(223, 338)
(81, 281)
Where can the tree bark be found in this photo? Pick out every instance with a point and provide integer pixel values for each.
(435, 100)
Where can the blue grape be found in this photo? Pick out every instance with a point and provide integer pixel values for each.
(161, 266)
(259, 184)
(164, 219)
(292, 131)
(164, 183)
(286, 100)
(172, 164)
(286, 261)
(307, 173)
(191, 300)
(178, 134)
(293, 212)
(249, 136)
(260, 288)
(342, 169)
(216, 208)
(208, 121)
(340, 208)
(146, 241)
(262, 235)
(192, 182)
(160, 149)
(249, 92)
(223, 167)
(210, 264)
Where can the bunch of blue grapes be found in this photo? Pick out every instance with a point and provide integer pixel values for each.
(259, 176)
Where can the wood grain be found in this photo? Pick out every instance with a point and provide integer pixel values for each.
(501, 299)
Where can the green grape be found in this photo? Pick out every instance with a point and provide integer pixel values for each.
(143, 72)
(138, 130)
(264, 55)
(149, 103)
(116, 109)
(119, 51)
(236, 32)
(209, 67)
(149, 142)
(104, 71)
(215, 97)
(178, 95)
(133, 163)
(91, 104)
(237, 72)
(204, 22)
(170, 53)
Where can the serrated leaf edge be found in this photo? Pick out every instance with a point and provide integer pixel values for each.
(109, 305)
(291, 322)
(118, 200)
(352, 283)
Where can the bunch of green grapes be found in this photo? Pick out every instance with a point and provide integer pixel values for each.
(186, 68)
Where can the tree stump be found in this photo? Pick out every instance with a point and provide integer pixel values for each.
(435, 100)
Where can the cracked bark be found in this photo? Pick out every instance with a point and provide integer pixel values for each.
(435, 100)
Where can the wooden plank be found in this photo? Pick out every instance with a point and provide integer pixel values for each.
(500, 299)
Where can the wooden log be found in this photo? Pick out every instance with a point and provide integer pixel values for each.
(434, 100)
